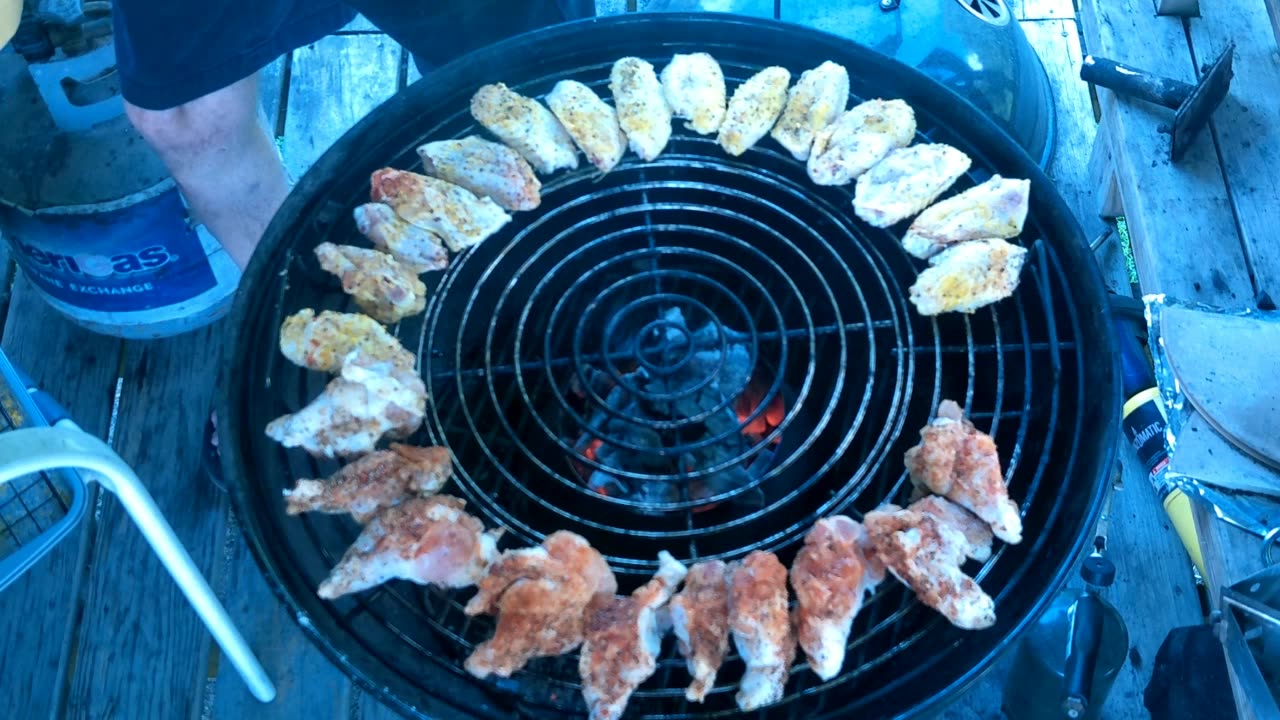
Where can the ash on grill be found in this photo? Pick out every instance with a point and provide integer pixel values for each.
(687, 404)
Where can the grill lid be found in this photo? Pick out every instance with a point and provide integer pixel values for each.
(732, 281)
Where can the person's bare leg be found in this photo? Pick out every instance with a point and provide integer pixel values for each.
(218, 150)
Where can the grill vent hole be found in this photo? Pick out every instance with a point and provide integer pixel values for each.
(992, 12)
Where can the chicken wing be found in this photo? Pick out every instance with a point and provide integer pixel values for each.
(694, 87)
(526, 125)
(924, 546)
(416, 248)
(369, 399)
(591, 123)
(753, 109)
(817, 99)
(429, 541)
(486, 168)
(381, 479)
(622, 641)
(455, 214)
(996, 208)
(831, 574)
(906, 181)
(861, 137)
(540, 596)
(388, 291)
(322, 342)
(700, 619)
(643, 113)
(968, 276)
(761, 628)
(956, 460)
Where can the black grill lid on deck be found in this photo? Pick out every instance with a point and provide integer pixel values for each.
(653, 278)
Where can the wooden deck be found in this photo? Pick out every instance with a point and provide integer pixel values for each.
(98, 630)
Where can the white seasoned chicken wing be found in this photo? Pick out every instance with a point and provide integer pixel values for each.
(906, 181)
(526, 125)
(622, 641)
(452, 212)
(372, 398)
(486, 168)
(958, 461)
(591, 123)
(417, 248)
(700, 620)
(968, 276)
(381, 286)
(429, 541)
(753, 109)
(861, 137)
(996, 208)
(381, 479)
(694, 87)
(761, 628)
(323, 342)
(817, 99)
(643, 113)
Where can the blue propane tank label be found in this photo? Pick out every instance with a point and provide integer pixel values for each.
(140, 256)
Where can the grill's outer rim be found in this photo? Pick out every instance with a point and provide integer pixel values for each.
(1095, 453)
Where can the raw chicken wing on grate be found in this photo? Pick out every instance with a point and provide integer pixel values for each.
(622, 641)
(382, 287)
(643, 113)
(540, 596)
(454, 213)
(956, 460)
(486, 168)
(861, 137)
(429, 541)
(831, 574)
(591, 122)
(817, 99)
(526, 125)
(924, 546)
(753, 109)
(968, 276)
(996, 208)
(694, 87)
(416, 248)
(906, 181)
(383, 478)
(700, 619)
(761, 628)
(322, 342)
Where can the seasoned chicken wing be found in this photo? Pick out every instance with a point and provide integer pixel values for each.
(831, 574)
(486, 168)
(694, 87)
(906, 181)
(591, 123)
(700, 619)
(540, 596)
(924, 546)
(429, 541)
(817, 99)
(452, 212)
(761, 628)
(369, 399)
(381, 479)
(956, 460)
(416, 248)
(643, 113)
(861, 137)
(968, 276)
(996, 208)
(753, 109)
(322, 342)
(622, 641)
(388, 291)
(525, 125)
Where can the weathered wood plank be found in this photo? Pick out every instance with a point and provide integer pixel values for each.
(1247, 127)
(79, 369)
(334, 83)
(360, 24)
(136, 621)
(271, 90)
(758, 8)
(1044, 9)
(8, 275)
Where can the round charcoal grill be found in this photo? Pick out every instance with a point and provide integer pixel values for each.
(700, 354)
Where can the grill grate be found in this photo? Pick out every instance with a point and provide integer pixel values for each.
(519, 329)
(33, 504)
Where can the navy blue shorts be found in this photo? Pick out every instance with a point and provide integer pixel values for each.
(171, 52)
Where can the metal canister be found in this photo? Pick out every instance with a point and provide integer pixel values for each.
(93, 218)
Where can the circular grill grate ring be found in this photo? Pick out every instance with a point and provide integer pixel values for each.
(774, 264)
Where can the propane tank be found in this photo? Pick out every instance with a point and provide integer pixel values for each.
(92, 216)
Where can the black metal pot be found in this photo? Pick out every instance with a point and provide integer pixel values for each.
(861, 373)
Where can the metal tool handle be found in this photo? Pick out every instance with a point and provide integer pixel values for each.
(1134, 82)
(1082, 656)
(31, 450)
